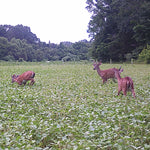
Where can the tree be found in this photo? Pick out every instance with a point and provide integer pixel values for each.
(144, 56)
(81, 49)
(19, 43)
(3, 47)
(112, 27)
(19, 32)
(142, 29)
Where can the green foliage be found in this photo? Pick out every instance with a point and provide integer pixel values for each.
(18, 42)
(144, 56)
(3, 47)
(118, 27)
(19, 32)
(142, 29)
(69, 108)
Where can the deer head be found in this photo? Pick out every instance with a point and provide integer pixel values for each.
(14, 77)
(120, 70)
(96, 65)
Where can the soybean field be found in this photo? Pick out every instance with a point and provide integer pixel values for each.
(68, 108)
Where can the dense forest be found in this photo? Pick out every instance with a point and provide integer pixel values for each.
(119, 31)
(19, 43)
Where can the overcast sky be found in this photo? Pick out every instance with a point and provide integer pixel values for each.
(50, 20)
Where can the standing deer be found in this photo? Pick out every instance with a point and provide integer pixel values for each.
(124, 84)
(23, 78)
(105, 74)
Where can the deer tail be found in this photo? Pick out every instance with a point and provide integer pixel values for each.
(33, 75)
(130, 84)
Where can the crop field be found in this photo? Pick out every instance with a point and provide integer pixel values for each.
(68, 108)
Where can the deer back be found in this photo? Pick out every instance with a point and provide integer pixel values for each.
(110, 73)
(23, 77)
(129, 83)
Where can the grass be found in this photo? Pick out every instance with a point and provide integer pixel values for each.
(69, 108)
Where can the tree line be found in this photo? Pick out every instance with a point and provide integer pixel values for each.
(120, 29)
(19, 43)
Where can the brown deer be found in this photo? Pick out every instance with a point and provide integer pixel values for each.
(124, 84)
(23, 78)
(105, 74)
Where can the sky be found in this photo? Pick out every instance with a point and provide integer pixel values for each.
(51, 20)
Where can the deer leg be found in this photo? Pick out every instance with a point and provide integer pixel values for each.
(133, 93)
(24, 82)
(124, 92)
(104, 80)
(119, 90)
(20, 83)
(32, 81)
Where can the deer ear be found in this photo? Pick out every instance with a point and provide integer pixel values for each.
(13, 75)
(120, 68)
(94, 61)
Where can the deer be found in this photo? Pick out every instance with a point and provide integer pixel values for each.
(124, 84)
(23, 78)
(105, 74)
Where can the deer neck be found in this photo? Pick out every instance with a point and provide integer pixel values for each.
(118, 76)
(99, 71)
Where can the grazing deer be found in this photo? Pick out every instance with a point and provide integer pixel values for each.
(23, 78)
(124, 84)
(105, 74)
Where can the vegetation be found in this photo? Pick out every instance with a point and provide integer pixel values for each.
(19, 43)
(120, 29)
(69, 108)
(144, 56)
